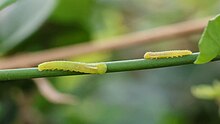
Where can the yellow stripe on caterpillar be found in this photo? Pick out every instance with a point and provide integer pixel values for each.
(167, 54)
(92, 68)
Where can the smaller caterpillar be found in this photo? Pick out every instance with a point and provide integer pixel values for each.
(167, 54)
(92, 68)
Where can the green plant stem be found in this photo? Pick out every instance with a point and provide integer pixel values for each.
(114, 66)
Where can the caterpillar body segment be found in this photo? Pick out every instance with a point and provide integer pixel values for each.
(167, 54)
(92, 68)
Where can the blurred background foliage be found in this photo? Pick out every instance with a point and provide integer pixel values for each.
(157, 96)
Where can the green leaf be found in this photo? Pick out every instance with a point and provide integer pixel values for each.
(207, 91)
(80, 10)
(5, 3)
(203, 92)
(209, 44)
(21, 20)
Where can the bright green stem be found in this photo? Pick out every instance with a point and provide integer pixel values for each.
(114, 66)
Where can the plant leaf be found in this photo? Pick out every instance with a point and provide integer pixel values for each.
(21, 20)
(203, 92)
(5, 3)
(209, 44)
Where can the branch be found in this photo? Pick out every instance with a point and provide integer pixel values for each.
(114, 66)
(182, 29)
(51, 94)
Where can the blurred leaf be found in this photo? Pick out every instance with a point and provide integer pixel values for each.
(207, 91)
(68, 24)
(69, 11)
(209, 44)
(5, 3)
(21, 20)
(111, 23)
(203, 92)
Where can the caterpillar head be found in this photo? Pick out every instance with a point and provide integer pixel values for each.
(147, 55)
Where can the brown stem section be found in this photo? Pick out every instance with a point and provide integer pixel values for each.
(51, 94)
(162, 33)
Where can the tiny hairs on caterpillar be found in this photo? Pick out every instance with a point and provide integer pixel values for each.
(92, 68)
(167, 54)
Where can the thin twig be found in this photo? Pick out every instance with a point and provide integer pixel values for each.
(162, 33)
(51, 94)
(114, 66)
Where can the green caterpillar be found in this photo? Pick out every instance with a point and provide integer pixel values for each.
(92, 68)
(167, 54)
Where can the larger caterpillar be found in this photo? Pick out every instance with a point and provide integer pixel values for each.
(92, 68)
(167, 54)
